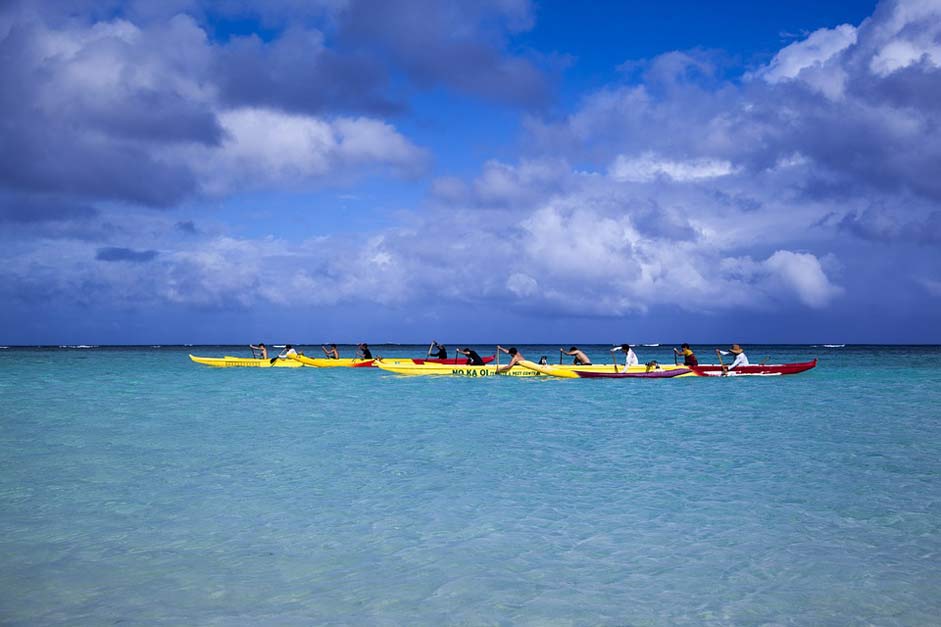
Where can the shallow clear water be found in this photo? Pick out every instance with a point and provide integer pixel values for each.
(136, 486)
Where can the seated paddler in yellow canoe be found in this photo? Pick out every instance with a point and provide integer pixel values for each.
(515, 357)
(579, 358)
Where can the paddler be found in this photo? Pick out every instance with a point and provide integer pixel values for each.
(364, 352)
(689, 357)
(515, 358)
(261, 347)
(287, 352)
(580, 358)
(740, 358)
(473, 359)
(631, 357)
(332, 352)
(437, 351)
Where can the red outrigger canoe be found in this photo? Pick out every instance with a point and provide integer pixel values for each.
(715, 370)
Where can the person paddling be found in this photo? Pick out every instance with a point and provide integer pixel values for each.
(287, 352)
(473, 359)
(364, 351)
(689, 357)
(740, 358)
(261, 347)
(332, 352)
(581, 359)
(515, 358)
(438, 351)
(630, 355)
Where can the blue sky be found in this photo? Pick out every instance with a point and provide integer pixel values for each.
(503, 170)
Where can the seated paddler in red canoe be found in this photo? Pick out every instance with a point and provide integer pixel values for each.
(689, 357)
(739, 361)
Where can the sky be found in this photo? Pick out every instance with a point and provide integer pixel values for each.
(508, 171)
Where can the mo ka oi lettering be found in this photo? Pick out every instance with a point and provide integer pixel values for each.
(470, 373)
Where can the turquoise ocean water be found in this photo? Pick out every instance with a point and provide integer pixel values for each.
(137, 487)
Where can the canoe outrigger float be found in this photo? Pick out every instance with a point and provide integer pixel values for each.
(326, 362)
(245, 362)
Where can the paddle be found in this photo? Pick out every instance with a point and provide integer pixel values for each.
(560, 356)
(430, 348)
(252, 348)
(725, 370)
(675, 362)
(614, 358)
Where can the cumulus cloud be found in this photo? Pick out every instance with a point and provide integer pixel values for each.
(462, 45)
(803, 274)
(774, 193)
(117, 110)
(300, 73)
(817, 48)
(267, 147)
(905, 33)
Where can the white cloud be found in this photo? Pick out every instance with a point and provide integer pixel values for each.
(911, 32)
(265, 147)
(648, 167)
(802, 273)
(818, 48)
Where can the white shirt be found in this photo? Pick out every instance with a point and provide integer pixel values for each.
(287, 353)
(631, 357)
(740, 360)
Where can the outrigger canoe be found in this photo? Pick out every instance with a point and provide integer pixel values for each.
(765, 370)
(245, 362)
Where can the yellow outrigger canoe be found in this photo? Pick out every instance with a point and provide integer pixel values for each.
(245, 362)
